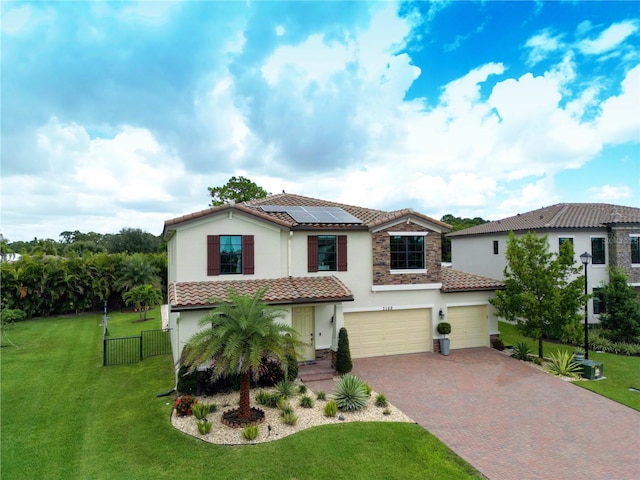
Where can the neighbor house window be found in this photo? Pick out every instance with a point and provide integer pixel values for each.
(635, 249)
(598, 302)
(495, 247)
(327, 253)
(597, 250)
(407, 252)
(230, 254)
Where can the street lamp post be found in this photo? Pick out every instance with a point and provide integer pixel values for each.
(585, 258)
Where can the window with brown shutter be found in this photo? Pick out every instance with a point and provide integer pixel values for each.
(342, 253)
(312, 253)
(327, 253)
(230, 254)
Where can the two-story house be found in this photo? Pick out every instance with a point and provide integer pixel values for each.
(328, 265)
(609, 233)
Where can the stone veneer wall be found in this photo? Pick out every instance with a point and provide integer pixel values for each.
(619, 244)
(381, 257)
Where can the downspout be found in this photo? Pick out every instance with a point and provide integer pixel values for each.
(289, 252)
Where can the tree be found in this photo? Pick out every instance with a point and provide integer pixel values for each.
(343, 355)
(539, 294)
(238, 189)
(137, 270)
(621, 319)
(457, 223)
(235, 336)
(133, 240)
(143, 297)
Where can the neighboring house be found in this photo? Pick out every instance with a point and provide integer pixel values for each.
(328, 265)
(610, 233)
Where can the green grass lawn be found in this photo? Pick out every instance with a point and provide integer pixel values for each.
(63, 415)
(621, 371)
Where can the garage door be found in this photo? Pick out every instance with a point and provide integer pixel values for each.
(469, 326)
(373, 334)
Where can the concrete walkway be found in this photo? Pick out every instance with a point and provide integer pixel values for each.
(508, 419)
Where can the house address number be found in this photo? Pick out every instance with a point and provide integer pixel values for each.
(387, 308)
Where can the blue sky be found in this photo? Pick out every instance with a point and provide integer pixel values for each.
(121, 114)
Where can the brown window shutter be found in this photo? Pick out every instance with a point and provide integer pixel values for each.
(342, 253)
(312, 253)
(247, 255)
(213, 255)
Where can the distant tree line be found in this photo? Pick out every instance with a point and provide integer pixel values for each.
(457, 223)
(82, 271)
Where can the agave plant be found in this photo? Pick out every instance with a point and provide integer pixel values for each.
(350, 393)
(563, 364)
(521, 351)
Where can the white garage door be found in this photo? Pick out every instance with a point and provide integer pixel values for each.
(469, 326)
(378, 333)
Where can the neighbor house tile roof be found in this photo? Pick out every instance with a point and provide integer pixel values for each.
(369, 217)
(287, 290)
(559, 216)
(457, 281)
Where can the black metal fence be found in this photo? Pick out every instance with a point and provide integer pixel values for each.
(122, 350)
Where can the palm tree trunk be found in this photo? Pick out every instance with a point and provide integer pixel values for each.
(245, 401)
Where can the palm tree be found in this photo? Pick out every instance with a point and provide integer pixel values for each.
(143, 297)
(235, 336)
(137, 270)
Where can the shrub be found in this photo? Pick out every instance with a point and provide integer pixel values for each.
(537, 361)
(285, 388)
(381, 400)
(289, 418)
(498, 344)
(12, 315)
(521, 351)
(292, 367)
(367, 388)
(350, 393)
(213, 408)
(386, 411)
(330, 409)
(343, 355)
(321, 395)
(284, 405)
(270, 372)
(444, 328)
(183, 405)
(200, 410)
(306, 402)
(250, 432)
(204, 427)
(268, 399)
(563, 364)
(187, 382)
(302, 389)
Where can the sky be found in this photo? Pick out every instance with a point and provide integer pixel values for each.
(120, 114)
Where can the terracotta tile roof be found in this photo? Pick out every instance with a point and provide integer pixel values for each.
(457, 281)
(368, 216)
(559, 216)
(287, 290)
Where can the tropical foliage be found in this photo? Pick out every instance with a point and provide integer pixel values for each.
(543, 293)
(621, 320)
(236, 336)
(143, 297)
(350, 393)
(563, 364)
(238, 189)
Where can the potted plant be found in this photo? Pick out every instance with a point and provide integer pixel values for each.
(444, 328)
(578, 354)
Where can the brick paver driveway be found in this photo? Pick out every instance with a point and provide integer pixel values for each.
(508, 419)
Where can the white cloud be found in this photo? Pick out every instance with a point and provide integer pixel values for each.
(610, 193)
(541, 45)
(609, 39)
(619, 121)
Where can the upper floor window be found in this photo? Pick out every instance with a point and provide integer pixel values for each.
(561, 240)
(597, 250)
(635, 249)
(327, 253)
(407, 252)
(230, 254)
(495, 247)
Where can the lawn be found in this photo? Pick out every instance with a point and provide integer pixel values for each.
(66, 416)
(621, 371)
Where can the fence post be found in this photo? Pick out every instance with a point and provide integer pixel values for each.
(141, 357)
(104, 351)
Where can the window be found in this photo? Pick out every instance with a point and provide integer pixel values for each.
(327, 253)
(561, 240)
(598, 302)
(495, 247)
(407, 252)
(635, 249)
(597, 250)
(230, 254)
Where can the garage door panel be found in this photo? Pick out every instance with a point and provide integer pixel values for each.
(469, 326)
(389, 332)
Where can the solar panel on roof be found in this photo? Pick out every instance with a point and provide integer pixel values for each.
(313, 214)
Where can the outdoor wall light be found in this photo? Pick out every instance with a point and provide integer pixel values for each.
(441, 314)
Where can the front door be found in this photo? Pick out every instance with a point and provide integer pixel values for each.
(303, 322)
